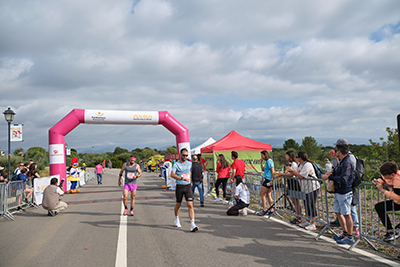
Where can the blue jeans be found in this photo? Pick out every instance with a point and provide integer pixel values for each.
(99, 177)
(200, 188)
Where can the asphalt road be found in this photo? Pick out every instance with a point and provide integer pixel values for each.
(90, 233)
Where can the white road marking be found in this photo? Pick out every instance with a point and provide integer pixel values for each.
(121, 258)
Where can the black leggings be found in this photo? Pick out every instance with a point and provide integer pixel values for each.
(217, 183)
(380, 209)
(234, 210)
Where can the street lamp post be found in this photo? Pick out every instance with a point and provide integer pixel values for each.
(9, 116)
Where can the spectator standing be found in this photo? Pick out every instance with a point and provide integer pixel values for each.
(21, 188)
(266, 188)
(342, 176)
(99, 172)
(197, 178)
(223, 169)
(202, 161)
(32, 173)
(2, 179)
(238, 166)
(391, 176)
(18, 170)
(242, 196)
(309, 187)
(328, 165)
(335, 160)
(51, 198)
(294, 188)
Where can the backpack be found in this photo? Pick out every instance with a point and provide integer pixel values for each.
(318, 170)
(358, 172)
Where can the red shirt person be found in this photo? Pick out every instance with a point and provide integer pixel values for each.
(238, 166)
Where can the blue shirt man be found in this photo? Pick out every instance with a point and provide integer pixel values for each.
(182, 172)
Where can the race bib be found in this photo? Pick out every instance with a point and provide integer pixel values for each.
(186, 176)
(130, 175)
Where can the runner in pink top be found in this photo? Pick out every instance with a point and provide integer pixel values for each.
(99, 172)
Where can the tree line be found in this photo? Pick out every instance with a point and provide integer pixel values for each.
(375, 153)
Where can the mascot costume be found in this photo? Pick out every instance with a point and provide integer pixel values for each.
(74, 176)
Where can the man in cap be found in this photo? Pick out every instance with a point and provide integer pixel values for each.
(342, 176)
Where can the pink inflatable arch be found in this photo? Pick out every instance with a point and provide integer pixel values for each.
(57, 133)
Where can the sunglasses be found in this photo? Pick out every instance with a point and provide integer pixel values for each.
(185, 155)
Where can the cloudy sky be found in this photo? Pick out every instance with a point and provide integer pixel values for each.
(271, 70)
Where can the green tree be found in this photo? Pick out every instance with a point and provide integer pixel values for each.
(38, 155)
(290, 144)
(118, 150)
(17, 151)
(311, 147)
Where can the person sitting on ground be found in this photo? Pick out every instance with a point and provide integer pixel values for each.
(51, 198)
(242, 197)
(390, 176)
(21, 188)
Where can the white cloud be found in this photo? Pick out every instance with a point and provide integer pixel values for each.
(268, 70)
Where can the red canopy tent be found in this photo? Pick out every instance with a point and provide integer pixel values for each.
(237, 142)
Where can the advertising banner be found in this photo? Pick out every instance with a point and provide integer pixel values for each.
(39, 185)
(251, 159)
(93, 116)
(16, 133)
(56, 154)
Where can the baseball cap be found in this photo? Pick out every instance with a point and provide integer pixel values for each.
(341, 141)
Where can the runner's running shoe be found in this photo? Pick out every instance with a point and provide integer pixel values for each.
(194, 228)
(126, 212)
(177, 223)
(131, 212)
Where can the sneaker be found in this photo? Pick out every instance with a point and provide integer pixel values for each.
(311, 227)
(244, 212)
(217, 200)
(126, 212)
(270, 212)
(131, 213)
(198, 198)
(223, 202)
(202, 205)
(357, 233)
(19, 209)
(389, 236)
(194, 228)
(295, 221)
(336, 238)
(177, 223)
(346, 241)
(304, 224)
(50, 213)
(261, 212)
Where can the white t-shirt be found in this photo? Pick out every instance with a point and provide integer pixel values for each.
(59, 191)
(306, 170)
(243, 192)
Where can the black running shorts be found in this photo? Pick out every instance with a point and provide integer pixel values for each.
(183, 190)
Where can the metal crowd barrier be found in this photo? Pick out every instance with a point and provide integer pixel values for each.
(253, 182)
(312, 197)
(3, 187)
(370, 224)
(89, 175)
